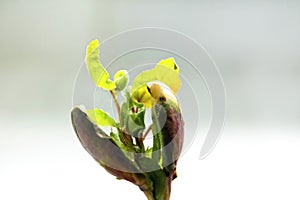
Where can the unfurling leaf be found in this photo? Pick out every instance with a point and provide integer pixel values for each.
(142, 95)
(98, 73)
(166, 71)
(121, 80)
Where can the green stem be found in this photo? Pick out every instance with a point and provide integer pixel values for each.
(149, 195)
(161, 186)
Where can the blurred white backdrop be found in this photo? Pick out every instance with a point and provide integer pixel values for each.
(255, 44)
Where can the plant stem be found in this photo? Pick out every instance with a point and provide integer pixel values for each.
(149, 195)
(116, 102)
(161, 190)
(146, 132)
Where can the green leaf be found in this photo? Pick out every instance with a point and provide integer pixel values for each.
(125, 110)
(132, 121)
(166, 71)
(98, 73)
(136, 123)
(121, 80)
(116, 139)
(101, 117)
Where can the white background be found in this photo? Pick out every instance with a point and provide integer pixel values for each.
(255, 44)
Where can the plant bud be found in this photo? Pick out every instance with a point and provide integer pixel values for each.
(121, 80)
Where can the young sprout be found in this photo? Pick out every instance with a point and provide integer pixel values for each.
(122, 152)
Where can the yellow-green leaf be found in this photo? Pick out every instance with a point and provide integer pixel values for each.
(165, 72)
(169, 62)
(98, 73)
(142, 95)
(101, 117)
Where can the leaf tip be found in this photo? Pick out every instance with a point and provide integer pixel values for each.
(94, 44)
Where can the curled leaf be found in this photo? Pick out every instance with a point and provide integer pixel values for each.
(98, 73)
(121, 80)
(142, 95)
(166, 71)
